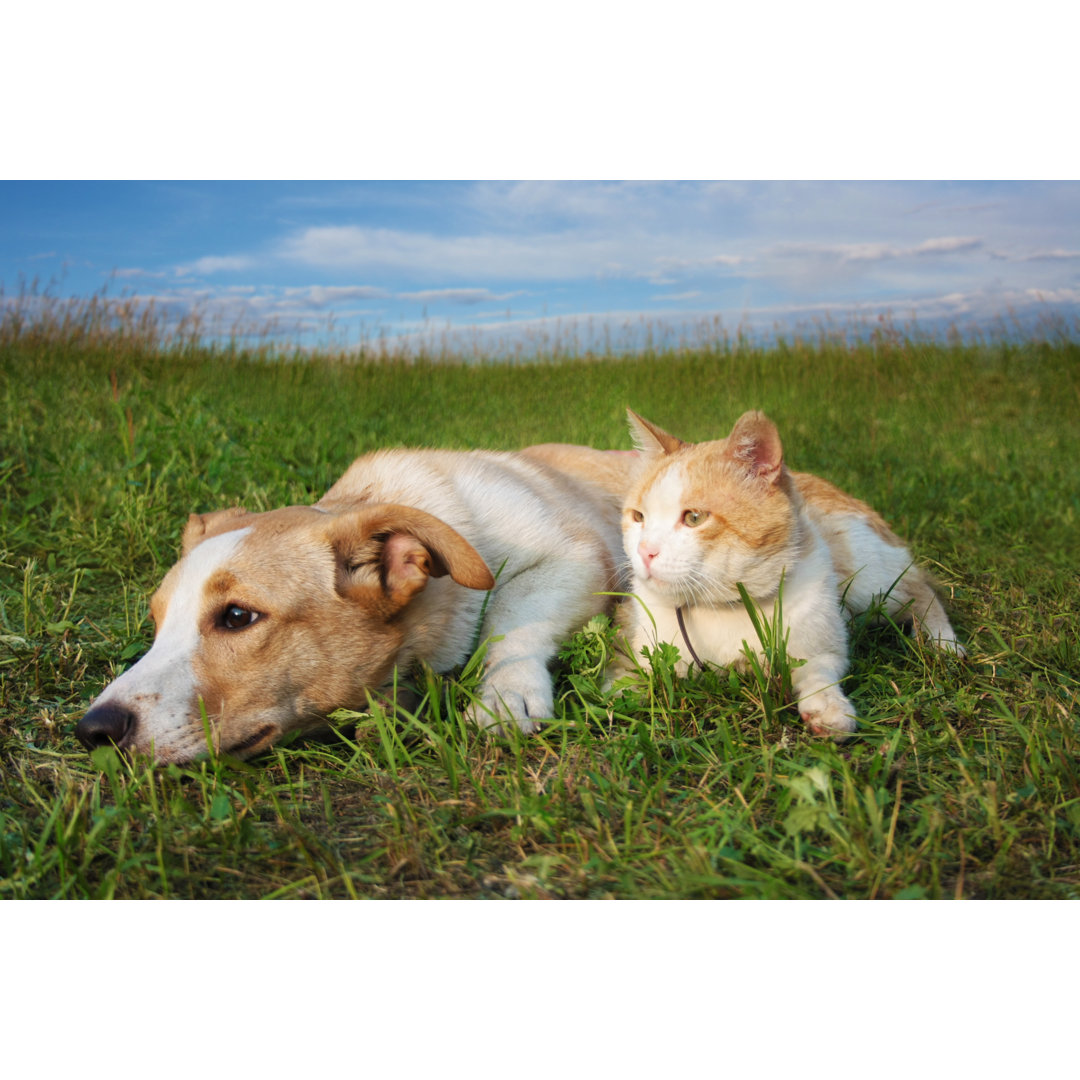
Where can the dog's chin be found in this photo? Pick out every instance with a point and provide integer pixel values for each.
(193, 747)
(250, 744)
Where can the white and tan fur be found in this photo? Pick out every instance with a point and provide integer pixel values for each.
(699, 519)
(270, 621)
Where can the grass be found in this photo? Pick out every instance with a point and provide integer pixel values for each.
(963, 779)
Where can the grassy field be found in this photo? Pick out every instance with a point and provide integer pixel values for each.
(964, 777)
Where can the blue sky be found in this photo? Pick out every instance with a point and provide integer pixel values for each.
(503, 262)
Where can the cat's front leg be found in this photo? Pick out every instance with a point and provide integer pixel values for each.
(630, 640)
(818, 633)
(823, 706)
(641, 625)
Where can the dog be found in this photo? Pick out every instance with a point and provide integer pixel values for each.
(270, 621)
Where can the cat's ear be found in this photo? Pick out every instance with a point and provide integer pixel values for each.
(650, 439)
(755, 444)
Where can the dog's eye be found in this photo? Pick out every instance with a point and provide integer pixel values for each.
(235, 617)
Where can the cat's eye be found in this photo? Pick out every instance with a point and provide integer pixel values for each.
(693, 518)
(637, 515)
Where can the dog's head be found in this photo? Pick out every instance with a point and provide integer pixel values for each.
(270, 621)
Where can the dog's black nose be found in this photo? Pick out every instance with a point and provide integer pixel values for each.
(105, 724)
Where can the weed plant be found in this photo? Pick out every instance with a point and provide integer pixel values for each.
(962, 780)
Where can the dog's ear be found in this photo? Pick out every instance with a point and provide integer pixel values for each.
(649, 438)
(397, 549)
(201, 527)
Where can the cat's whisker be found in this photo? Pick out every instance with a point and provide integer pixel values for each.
(697, 586)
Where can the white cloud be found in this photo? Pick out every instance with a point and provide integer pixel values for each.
(324, 295)
(588, 205)
(137, 272)
(625, 251)
(945, 245)
(979, 305)
(216, 264)
(1058, 254)
(678, 262)
(879, 252)
(1054, 296)
(665, 265)
(457, 296)
(940, 207)
(537, 256)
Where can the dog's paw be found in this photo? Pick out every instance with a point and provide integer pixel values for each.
(499, 721)
(520, 694)
(828, 714)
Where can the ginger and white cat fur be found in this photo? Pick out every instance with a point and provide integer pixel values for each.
(702, 517)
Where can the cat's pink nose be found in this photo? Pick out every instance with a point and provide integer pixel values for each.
(647, 552)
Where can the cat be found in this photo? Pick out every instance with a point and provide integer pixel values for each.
(701, 518)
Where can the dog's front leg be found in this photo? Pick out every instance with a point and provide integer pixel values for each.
(527, 618)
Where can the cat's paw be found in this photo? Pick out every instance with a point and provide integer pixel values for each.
(620, 673)
(833, 716)
(936, 628)
(950, 645)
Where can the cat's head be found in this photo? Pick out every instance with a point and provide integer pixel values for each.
(703, 516)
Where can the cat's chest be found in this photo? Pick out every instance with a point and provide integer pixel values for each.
(714, 634)
(717, 635)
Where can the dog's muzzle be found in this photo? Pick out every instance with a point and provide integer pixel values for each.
(106, 725)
